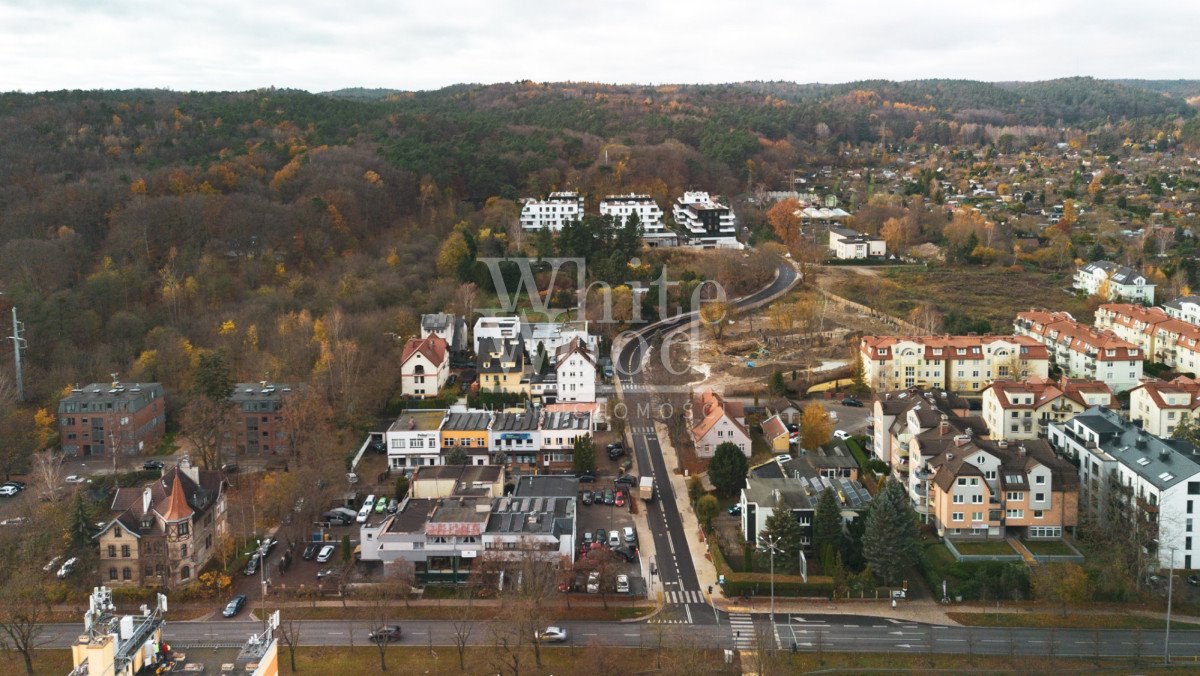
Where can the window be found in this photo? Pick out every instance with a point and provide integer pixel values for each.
(962, 481)
(116, 532)
(1014, 496)
(1039, 479)
(185, 573)
(125, 551)
(183, 550)
(977, 516)
(112, 573)
(126, 573)
(1037, 513)
(958, 499)
(112, 551)
(956, 516)
(1039, 497)
(1014, 513)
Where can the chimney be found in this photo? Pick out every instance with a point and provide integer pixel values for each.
(962, 439)
(943, 428)
(146, 499)
(1021, 450)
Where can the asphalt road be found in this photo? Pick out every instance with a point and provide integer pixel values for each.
(833, 633)
(675, 570)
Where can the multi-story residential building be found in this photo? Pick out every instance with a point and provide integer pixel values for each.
(1113, 282)
(1186, 308)
(1128, 475)
(450, 328)
(497, 330)
(1161, 405)
(1083, 352)
(518, 437)
(847, 244)
(163, 533)
(793, 484)
(708, 223)
(468, 430)
(550, 336)
(954, 363)
(994, 489)
(914, 426)
(457, 481)
(715, 421)
(1024, 410)
(649, 214)
(552, 213)
(102, 418)
(260, 426)
(575, 367)
(559, 434)
(414, 439)
(447, 539)
(1162, 337)
(424, 366)
(501, 367)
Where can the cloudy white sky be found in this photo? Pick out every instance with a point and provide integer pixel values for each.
(320, 45)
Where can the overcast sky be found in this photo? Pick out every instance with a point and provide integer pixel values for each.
(403, 44)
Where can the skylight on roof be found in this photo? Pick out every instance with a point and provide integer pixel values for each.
(1166, 476)
(1143, 461)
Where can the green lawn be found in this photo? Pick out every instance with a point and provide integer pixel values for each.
(1048, 547)
(989, 548)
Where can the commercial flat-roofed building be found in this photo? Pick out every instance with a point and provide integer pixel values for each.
(260, 427)
(414, 439)
(708, 223)
(103, 418)
(649, 214)
(518, 436)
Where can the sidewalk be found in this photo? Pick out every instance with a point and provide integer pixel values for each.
(706, 572)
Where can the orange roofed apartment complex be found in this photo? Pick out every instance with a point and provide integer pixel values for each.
(953, 363)
(97, 420)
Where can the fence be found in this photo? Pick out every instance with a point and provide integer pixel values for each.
(981, 558)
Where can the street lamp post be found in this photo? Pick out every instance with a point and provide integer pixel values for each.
(772, 546)
(262, 570)
(1170, 592)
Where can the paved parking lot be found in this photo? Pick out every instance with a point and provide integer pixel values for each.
(610, 517)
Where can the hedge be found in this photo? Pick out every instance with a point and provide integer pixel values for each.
(747, 587)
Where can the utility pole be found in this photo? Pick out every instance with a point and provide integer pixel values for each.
(1170, 591)
(772, 546)
(18, 343)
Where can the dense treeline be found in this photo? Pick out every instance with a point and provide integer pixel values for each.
(299, 232)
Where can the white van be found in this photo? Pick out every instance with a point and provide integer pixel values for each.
(365, 512)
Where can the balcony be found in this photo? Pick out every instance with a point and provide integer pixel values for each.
(1145, 506)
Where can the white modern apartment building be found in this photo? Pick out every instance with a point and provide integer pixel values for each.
(1162, 337)
(1114, 282)
(1082, 351)
(1130, 475)
(954, 363)
(497, 329)
(847, 244)
(649, 214)
(709, 224)
(553, 212)
(1186, 308)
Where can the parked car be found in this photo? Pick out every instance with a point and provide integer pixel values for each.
(393, 506)
(626, 480)
(9, 491)
(610, 498)
(53, 564)
(852, 402)
(1194, 579)
(626, 552)
(381, 506)
(622, 584)
(15, 521)
(630, 535)
(615, 451)
(326, 573)
(586, 478)
(620, 498)
(601, 535)
(593, 582)
(351, 477)
(267, 545)
(325, 554)
(551, 635)
(841, 434)
(614, 538)
(230, 468)
(364, 514)
(310, 551)
(587, 537)
(234, 606)
(252, 565)
(153, 464)
(77, 479)
(14, 482)
(735, 510)
(388, 634)
(68, 567)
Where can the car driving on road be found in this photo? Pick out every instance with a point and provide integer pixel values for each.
(234, 606)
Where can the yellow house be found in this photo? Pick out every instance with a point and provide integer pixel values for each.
(501, 367)
(776, 434)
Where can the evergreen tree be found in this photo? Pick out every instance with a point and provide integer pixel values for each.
(583, 455)
(212, 378)
(727, 470)
(81, 528)
(706, 509)
(858, 379)
(543, 244)
(777, 386)
(890, 539)
(787, 533)
(827, 527)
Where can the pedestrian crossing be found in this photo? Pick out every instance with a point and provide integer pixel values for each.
(642, 429)
(741, 627)
(681, 597)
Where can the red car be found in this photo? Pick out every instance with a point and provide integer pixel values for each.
(620, 499)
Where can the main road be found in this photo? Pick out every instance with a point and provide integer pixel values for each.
(831, 633)
(675, 571)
